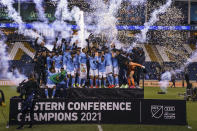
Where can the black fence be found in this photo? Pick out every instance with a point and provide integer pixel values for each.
(103, 111)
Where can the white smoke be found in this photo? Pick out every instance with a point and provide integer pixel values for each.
(4, 64)
(166, 77)
(3, 57)
(137, 2)
(154, 18)
(164, 83)
(62, 12)
(104, 18)
(82, 33)
(17, 18)
(40, 10)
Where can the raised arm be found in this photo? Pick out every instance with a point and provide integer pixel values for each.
(136, 64)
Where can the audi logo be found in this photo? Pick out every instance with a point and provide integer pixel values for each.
(169, 108)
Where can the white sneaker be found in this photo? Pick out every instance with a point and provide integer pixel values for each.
(126, 86)
(117, 86)
(52, 97)
(122, 86)
(137, 86)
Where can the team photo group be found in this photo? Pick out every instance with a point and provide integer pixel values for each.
(95, 66)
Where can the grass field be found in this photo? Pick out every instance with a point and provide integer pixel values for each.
(150, 93)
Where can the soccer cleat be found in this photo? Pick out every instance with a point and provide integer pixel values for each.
(126, 86)
(112, 86)
(122, 86)
(117, 86)
(77, 85)
(91, 87)
(132, 87)
(137, 86)
(52, 97)
(83, 85)
(73, 86)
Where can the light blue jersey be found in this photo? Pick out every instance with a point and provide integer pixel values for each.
(76, 62)
(58, 61)
(65, 57)
(102, 65)
(82, 58)
(108, 58)
(49, 62)
(70, 63)
(115, 62)
(93, 63)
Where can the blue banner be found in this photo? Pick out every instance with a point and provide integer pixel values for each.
(28, 25)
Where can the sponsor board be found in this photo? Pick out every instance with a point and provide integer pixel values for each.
(164, 112)
(155, 83)
(7, 83)
(105, 111)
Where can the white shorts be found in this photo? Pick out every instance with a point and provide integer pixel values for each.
(93, 72)
(50, 85)
(64, 67)
(109, 69)
(102, 75)
(72, 73)
(58, 70)
(76, 70)
(115, 70)
(83, 71)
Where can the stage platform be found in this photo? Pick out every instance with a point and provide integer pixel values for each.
(103, 93)
(147, 83)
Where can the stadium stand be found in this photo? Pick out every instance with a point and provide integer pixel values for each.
(150, 52)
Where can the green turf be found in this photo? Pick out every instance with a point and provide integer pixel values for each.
(150, 93)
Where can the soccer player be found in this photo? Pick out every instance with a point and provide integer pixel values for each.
(49, 60)
(50, 83)
(77, 66)
(93, 69)
(131, 68)
(102, 71)
(65, 57)
(115, 67)
(61, 85)
(109, 68)
(70, 69)
(83, 68)
(58, 62)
